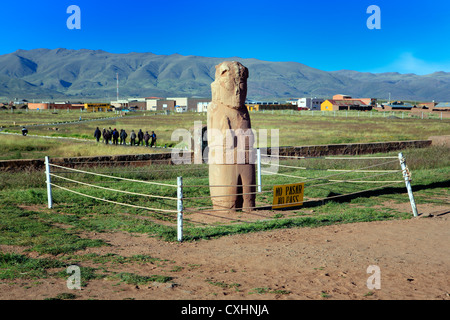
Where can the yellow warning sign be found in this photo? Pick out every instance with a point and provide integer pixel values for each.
(288, 195)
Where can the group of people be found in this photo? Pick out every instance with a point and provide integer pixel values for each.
(120, 137)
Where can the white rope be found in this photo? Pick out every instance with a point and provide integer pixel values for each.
(361, 171)
(333, 175)
(284, 166)
(225, 195)
(328, 158)
(332, 170)
(220, 186)
(353, 181)
(114, 202)
(284, 175)
(293, 204)
(115, 190)
(362, 181)
(114, 161)
(113, 177)
(358, 158)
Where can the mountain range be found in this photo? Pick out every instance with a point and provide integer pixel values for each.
(50, 74)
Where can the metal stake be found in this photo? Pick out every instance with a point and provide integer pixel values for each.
(180, 208)
(407, 176)
(49, 186)
(258, 165)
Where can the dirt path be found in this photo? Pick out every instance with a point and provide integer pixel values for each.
(306, 263)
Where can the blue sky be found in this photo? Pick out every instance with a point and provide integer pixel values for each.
(324, 34)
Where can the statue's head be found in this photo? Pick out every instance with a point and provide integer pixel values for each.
(230, 85)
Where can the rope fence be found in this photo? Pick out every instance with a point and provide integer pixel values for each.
(203, 203)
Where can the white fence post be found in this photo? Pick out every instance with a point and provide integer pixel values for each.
(407, 176)
(180, 208)
(258, 165)
(48, 181)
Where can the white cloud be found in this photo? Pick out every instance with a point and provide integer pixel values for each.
(408, 63)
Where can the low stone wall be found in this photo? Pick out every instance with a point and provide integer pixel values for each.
(116, 160)
(352, 149)
(165, 158)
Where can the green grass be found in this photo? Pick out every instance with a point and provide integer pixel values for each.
(266, 290)
(17, 266)
(134, 279)
(18, 147)
(63, 296)
(223, 285)
(62, 233)
(40, 230)
(297, 129)
(19, 118)
(25, 228)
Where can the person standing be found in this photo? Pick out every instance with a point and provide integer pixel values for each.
(146, 138)
(120, 136)
(107, 136)
(97, 134)
(115, 136)
(104, 135)
(153, 136)
(132, 138)
(140, 137)
(123, 136)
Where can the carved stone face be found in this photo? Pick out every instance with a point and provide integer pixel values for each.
(230, 85)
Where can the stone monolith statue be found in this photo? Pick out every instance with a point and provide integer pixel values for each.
(231, 155)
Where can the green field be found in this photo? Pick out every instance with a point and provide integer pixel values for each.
(61, 233)
(296, 129)
(431, 170)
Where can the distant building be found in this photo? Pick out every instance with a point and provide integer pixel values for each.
(20, 102)
(366, 101)
(120, 104)
(397, 105)
(442, 106)
(180, 101)
(137, 105)
(426, 105)
(309, 103)
(152, 103)
(191, 104)
(202, 106)
(347, 104)
(341, 97)
(165, 105)
(55, 106)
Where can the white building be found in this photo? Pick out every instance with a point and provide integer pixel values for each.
(310, 103)
(202, 106)
(120, 103)
(151, 103)
(181, 101)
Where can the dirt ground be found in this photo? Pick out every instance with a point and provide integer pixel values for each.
(330, 262)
